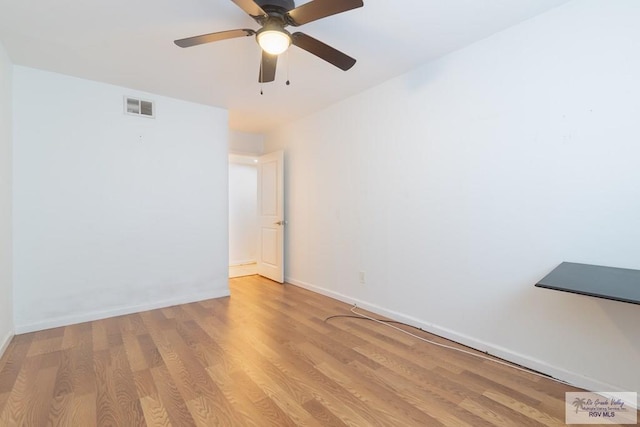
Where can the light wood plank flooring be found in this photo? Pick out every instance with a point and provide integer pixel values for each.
(263, 357)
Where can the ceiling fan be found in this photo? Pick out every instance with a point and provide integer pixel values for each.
(273, 16)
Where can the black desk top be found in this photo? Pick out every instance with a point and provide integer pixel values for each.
(618, 284)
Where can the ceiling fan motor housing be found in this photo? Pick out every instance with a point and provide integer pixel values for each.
(285, 5)
(276, 11)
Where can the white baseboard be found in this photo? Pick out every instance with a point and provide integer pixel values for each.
(4, 343)
(573, 378)
(97, 315)
(236, 263)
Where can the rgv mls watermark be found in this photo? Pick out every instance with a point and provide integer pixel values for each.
(601, 408)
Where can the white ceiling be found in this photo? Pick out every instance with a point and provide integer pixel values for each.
(130, 43)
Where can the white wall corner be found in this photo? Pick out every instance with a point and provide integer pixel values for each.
(6, 199)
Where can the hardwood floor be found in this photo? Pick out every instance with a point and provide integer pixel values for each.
(265, 356)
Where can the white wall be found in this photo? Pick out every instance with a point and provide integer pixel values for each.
(246, 143)
(243, 219)
(113, 213)
(6, 288)
(458, 185)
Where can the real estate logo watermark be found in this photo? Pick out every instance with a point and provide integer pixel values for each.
(601, 408)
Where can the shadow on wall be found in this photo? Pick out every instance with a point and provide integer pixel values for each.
(626, 317)
(608, 328)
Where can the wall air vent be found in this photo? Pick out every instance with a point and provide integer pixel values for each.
(139, 107)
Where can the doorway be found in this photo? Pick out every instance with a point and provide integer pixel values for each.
(243, 215)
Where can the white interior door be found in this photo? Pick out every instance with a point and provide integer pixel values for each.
(271, 216)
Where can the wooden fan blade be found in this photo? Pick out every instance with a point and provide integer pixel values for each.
(267, 68)
(318, 9)
(213, 37)
(322, 51)
(252, 9)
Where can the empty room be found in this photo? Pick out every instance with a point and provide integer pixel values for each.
(442, 223)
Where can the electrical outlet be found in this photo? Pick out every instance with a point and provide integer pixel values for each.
(362, 277)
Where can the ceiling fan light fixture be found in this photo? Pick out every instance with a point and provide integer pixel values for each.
(274, 42)
(274, 16)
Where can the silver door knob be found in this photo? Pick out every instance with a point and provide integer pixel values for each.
(280, 223)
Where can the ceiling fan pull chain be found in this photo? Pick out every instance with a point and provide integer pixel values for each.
(288, 63)
(261, 75)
